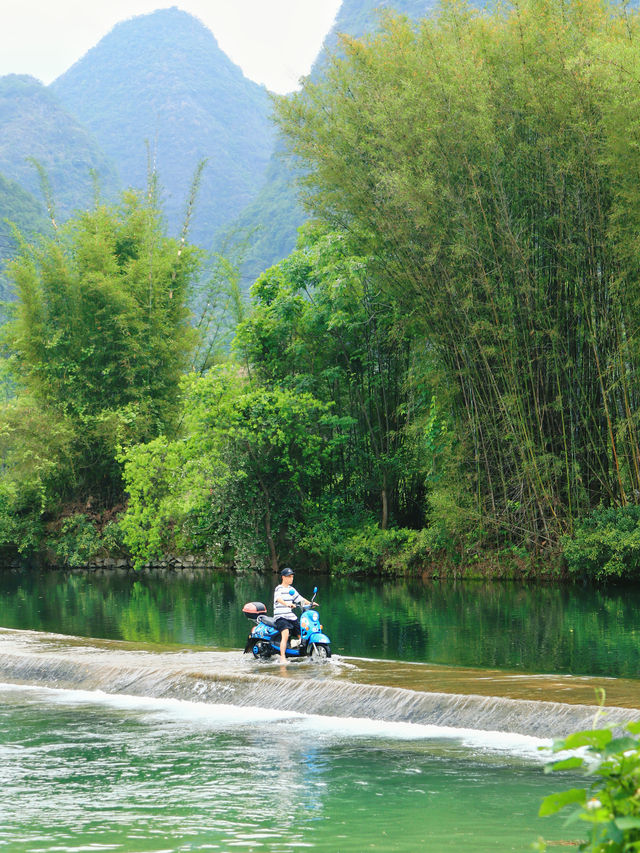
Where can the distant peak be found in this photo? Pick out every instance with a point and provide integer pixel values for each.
(162, 15)
(24, 80)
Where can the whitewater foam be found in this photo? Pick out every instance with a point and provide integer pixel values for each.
(309, 725)
(331, 698)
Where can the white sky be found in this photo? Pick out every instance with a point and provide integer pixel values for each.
(273, 41)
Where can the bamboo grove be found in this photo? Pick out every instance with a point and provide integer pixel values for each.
(491, 162)
(446, 369)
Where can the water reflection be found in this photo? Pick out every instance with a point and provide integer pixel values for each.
(494, 625)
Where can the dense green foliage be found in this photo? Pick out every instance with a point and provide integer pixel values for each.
(320, 324)
(605, 544)
(22, 211)
(317, 448)
(610, 804)
(445, 366)
(98, 342)
(249, 462)
(487, 162)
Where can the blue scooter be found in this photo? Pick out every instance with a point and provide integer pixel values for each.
(264, 638)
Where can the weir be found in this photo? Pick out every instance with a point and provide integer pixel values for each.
(340, 688)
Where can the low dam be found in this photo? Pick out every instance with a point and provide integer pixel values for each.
(536, 705)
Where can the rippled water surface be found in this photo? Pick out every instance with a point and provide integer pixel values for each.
(84, 771)
(89, 771)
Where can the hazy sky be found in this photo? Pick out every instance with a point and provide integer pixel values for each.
(273, 41)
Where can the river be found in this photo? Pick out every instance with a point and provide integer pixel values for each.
(131, 721)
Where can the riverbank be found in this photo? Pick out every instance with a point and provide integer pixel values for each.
(506, 565)
(489, 569)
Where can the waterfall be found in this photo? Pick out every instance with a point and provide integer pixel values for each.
(229, 678)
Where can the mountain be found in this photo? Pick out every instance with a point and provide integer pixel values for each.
(158, 89)
(160, 83)
(21, 209)
(270, 223)
(359, 17)
(35, 126)
(266, 231)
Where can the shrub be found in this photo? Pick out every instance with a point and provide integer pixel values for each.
(606, 544)
(610, 803)
(360, 546)
(79, 540)
(371, 547)
(21, 526)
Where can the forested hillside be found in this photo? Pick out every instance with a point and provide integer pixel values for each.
(160, 83)
(26, 213)
(35, 126)
(359, 17)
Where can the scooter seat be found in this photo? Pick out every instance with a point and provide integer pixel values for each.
(267, 620)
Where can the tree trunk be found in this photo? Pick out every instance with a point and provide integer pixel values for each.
(267, 526)
(272, 548)
(385, 505)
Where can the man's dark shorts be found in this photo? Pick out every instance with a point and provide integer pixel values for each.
(292, 624)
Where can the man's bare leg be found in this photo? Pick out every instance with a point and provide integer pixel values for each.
(283, 645)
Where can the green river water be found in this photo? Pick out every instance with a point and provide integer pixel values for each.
(124, 739)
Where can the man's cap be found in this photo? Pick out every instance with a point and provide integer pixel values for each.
(285, 573)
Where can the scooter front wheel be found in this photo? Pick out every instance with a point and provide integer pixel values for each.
(320, 651)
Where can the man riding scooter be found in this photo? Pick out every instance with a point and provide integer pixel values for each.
(285, 598)
(270, 634)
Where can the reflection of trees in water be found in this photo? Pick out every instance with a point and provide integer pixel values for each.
(169, 608)
(503, 625)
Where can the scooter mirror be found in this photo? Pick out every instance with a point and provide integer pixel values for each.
(315, 589)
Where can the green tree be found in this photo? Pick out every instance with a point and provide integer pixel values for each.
(276, 444)
(237, 481)
(99, 338)
(169, 482)
(487, 161)
(321, 323)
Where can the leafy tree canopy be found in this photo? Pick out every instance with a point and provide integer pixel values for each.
(99, 338)
(239, 477)
(489, 160)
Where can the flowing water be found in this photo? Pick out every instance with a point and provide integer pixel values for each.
(130, 720)
(81, 771)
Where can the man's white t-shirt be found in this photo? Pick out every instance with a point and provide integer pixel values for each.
(286, 593)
